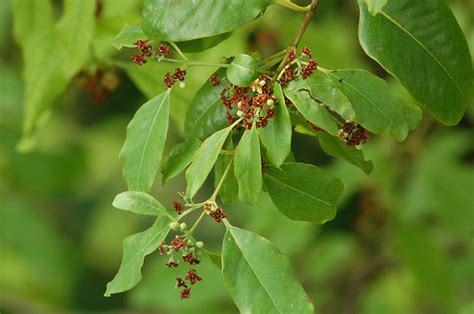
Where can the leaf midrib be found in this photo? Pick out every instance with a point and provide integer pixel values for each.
(300, 191)
(397, 24)
(140, 165)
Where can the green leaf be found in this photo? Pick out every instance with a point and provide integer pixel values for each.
(259, 277)
(334, 147)
(139, 203)
(425, 49)
(59, 52)
(375, 6)
(207, 114)
(180, 157)
(324, 91)
(135, 248)
(198, 45)
(214, 257)
(128, 36)
(242, 71)
(377, 109)
(303, 192)
(229, 190)
(143, 149)
(204, 160)
(312, 111)
(31, 18)
(248, 167)
(182, 20)
(276, 136)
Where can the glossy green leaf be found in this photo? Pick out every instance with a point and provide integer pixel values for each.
(421, 44)
(206, 113)
(191, 19)
(55, 49)
(128, 36)
(303, 192)
(276, 136)
(179, 158)
(242, 71)
(259, 277)
(377, 109)
(204, 160)
(313, 111)
(201, 44)
(139, 203)
(142, 151)
(248, 167)
(334, 147)
(135, 248)
(375, 6)
(324, 91)
(229, 190)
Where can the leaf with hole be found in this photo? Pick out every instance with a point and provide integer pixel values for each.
(376, 107)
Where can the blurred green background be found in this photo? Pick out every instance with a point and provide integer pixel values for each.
(402, 242)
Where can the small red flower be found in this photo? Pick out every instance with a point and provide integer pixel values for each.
(185, 293)
(178, 243)
(292, 55)
(139, 58)
(179, 74)
(189, 258)
(218, 215)
(215, 80)
(353, 134)
(163, 51)
(178, 207)
(168, 80)
(172, 264)
(163, 248)
(192, 276)
(307, 52)
(180, 283)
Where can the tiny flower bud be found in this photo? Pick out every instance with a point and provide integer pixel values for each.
(183, 226)
(182, 84)
(270, 102)
(174, 225)
(199, 244)
(240, 113)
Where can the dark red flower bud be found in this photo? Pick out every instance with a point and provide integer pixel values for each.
(185, 293)
(163, 51)
(192, 276)
(215, 80)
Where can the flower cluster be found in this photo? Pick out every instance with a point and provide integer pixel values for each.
(215, 80)
(171, 79)
(189, 251)
(163, 51)
(178, 207)
(214, 211)
(144, 49)
(302, 66)
(254, 104)
(353, 134)
(99, 85)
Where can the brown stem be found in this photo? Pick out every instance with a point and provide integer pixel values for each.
(299, 34)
